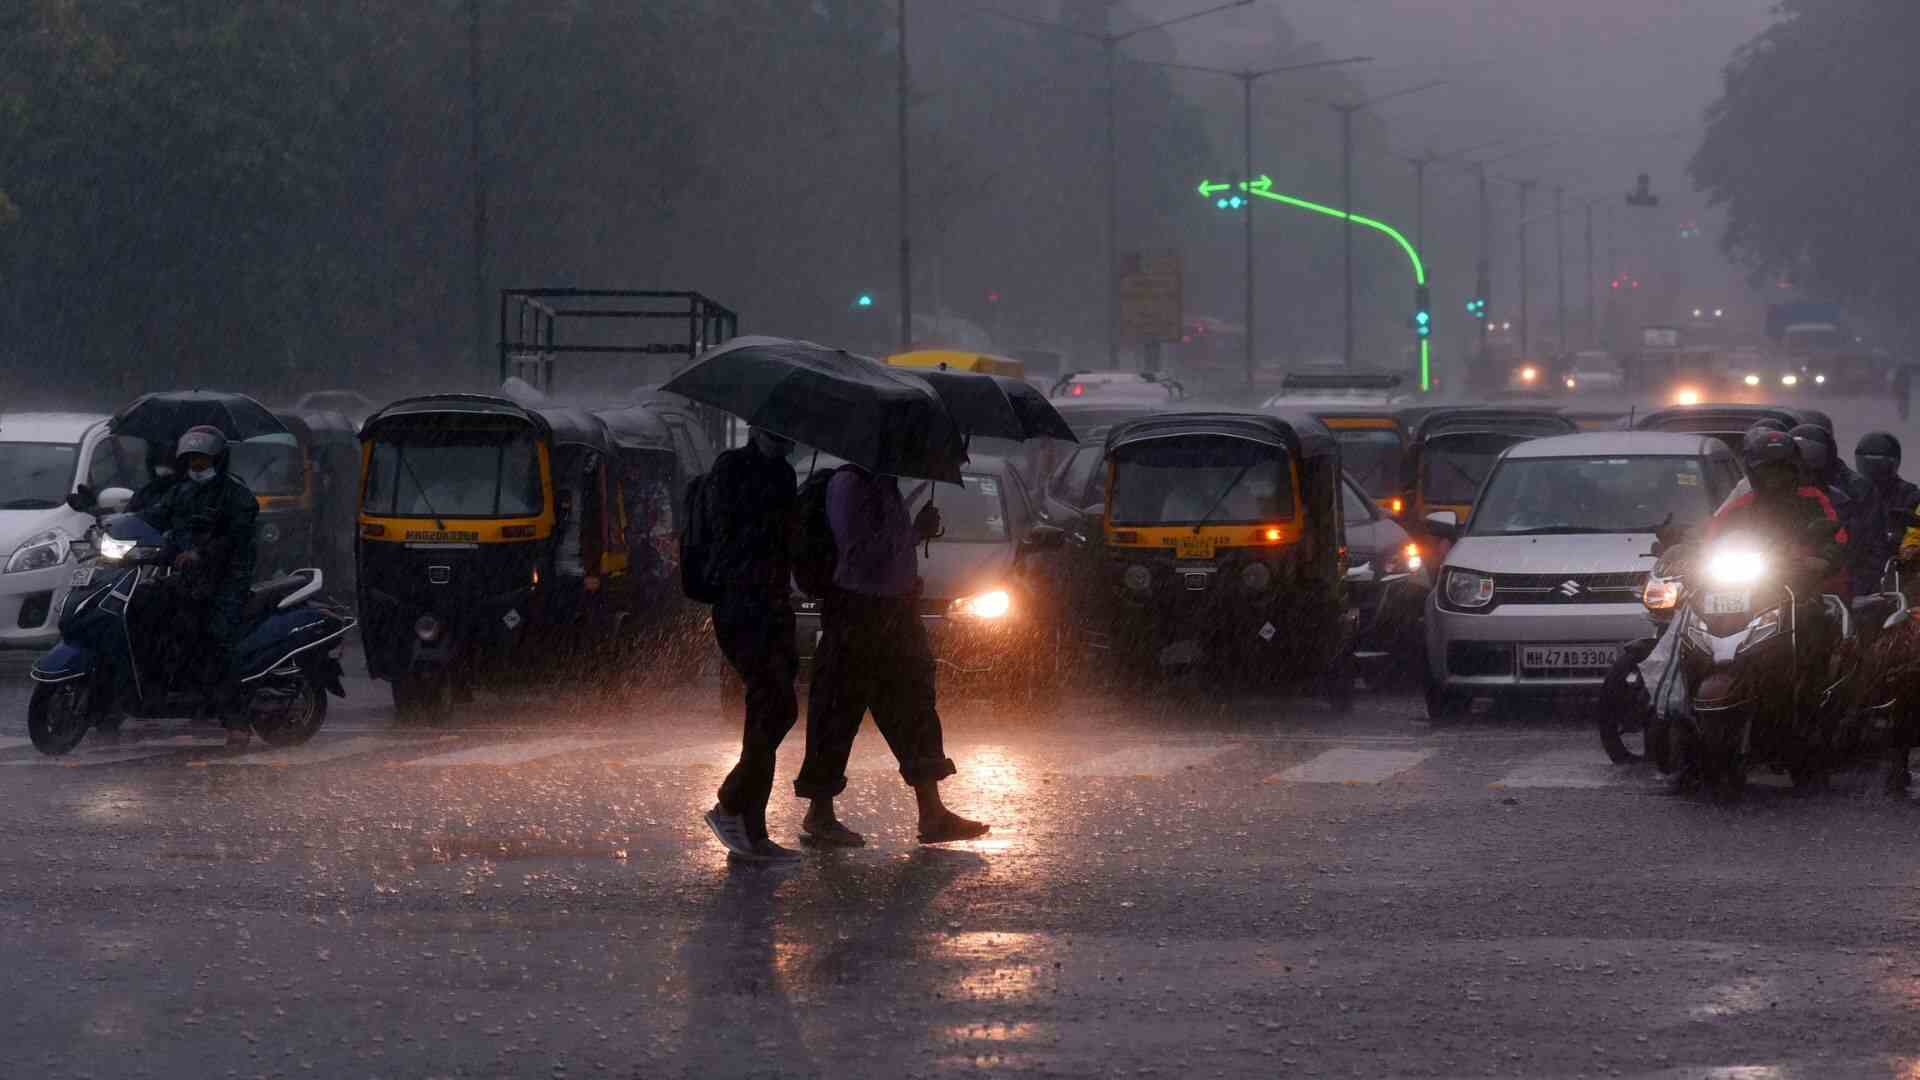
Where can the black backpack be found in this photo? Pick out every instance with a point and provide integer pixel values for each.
(697, 540)
(816, 557)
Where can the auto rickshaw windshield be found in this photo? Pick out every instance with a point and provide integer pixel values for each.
(1200, 479)
(1454, 466)
(471, 474)
(269, 464)
(1372, 457)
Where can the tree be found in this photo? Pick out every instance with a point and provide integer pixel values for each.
(1805, 151)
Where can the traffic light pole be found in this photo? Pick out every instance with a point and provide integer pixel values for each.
(1560, 266)
(1246, 213)
(1484, 272)
(1113, 203)
(1593, 325)
(1526, 282)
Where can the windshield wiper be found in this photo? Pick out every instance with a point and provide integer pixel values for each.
(30, 503)
(1218, 502)
(1564, 530)
(438, 522)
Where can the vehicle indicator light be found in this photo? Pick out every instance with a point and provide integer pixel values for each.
(1414, 561)
(1077, 390)
(1273, 536)
(1398, 506)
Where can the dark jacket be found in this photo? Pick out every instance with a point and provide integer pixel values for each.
(215, 519)
(1881, 538)
(755, 522)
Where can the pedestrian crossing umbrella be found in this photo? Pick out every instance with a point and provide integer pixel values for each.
(997, 407)
(882, 419)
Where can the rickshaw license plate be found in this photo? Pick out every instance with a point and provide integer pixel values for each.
(1193, 547)
(81, 576)
(1728, 603)
(1587, 657)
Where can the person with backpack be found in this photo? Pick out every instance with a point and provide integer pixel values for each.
(858, 559)
(738, 556)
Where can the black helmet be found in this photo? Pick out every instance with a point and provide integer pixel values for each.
(1773, 462)
(1877, 456)
(1816, 447)
(1760, 427)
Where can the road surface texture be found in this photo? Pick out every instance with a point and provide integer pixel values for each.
(1173, 888)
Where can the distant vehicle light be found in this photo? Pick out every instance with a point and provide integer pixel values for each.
(1819, 380)
(1789, 380)
(1077, 390)
(1752, 380)
(1529, 374)
(1571, 384)
(1399, 506)
(1687, 397)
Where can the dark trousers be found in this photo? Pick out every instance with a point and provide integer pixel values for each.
(755, 632)
(873, 655)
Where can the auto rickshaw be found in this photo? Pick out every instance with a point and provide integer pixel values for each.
(330, 445)
(1223, 547)
(958, 360)
(491, 538)
(1726, 422)
(1451, 449)
(659, 448)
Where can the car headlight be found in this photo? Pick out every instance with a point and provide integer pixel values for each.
(1468, 589)
(1736, 566)
(992, 604)
(1764, 626)
(1752, 380)
(1257, 576)
(1789, 380)
(1137, 578)
(1529, 374)
(39, 551)
(1688, 396)
(1661, 594)
(113, 550)
(1819, 380)
(1402, 560)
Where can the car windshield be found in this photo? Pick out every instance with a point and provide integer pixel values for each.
(1185, 481)
(974, 513)
(1601, 494)
(269, 464)
(1372, 457)
(1454, 466)
(455, 474)
(36, 476)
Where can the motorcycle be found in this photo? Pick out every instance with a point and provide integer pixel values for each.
(116, 659)
(1757, 695)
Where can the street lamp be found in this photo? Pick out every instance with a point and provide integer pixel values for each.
(1247, 79)
(1346, 111)
(1111, 43)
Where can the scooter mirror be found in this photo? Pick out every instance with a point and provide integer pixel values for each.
(114, 499)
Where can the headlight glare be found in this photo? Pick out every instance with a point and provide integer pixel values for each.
(1752, 380)
(992, 604)
(1467, 589)
(1736, 566)
(39, 551)
(1661, 594)
(113, 550)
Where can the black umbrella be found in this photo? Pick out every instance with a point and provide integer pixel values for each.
(996, 407)
(880, 418)
(163, 418)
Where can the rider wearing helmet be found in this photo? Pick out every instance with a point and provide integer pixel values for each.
(1851, 497)
(1780, 506)
(1877, 456)
(208, 516)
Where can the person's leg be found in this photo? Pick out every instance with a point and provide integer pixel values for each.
(836, 703)
(223, 629)
(906, 712)
(750, 636)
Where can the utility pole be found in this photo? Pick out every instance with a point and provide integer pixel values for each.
(1484, 271)
(902, 84)
(1526, 284)
(1560, 267)
(1593, 324)
(476, 166)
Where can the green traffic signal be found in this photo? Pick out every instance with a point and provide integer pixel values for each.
(1422, 313)
(864, 300)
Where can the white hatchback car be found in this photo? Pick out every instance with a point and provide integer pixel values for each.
(1543, 584)
(43, 458)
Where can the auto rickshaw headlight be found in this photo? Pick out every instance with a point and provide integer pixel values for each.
(992, 604)
(1257, 576)
(428, 627)
(1137, 578)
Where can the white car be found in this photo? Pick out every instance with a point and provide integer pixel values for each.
(1594, 372)
(43, 458)
(1543, 584)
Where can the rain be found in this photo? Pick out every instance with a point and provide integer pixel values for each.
(1373, 538)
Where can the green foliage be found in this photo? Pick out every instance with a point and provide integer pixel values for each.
(1807, 150)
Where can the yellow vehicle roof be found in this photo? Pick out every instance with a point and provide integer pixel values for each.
(979, 363)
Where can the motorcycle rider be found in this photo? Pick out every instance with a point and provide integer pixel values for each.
(1877, 457)
(1779, 506)
(1851, 496)
(208, 517)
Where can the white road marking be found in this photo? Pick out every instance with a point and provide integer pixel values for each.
(718, 755)
(1585, 768)
(515, 753)
(313, 753)
(1351, 765)
(1150, 760)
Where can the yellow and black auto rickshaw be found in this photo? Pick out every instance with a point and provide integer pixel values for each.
(1223, 546)
(1450, 450)
(491, 535)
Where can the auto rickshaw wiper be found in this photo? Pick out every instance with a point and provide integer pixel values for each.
(1222, 498)
(438, 522)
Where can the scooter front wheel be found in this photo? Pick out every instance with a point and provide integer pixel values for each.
(57, 717)
(295, 720)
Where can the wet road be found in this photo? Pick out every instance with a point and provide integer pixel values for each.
(1182, 890)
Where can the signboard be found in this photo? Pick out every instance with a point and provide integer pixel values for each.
(1151, 295)
(1659, 337)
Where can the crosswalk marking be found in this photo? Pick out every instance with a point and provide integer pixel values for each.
(1350, 765)
(515, 753)
(313, 753)
(1152, 760)
(870, 754)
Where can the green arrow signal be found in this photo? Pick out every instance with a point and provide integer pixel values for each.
(1210, 189)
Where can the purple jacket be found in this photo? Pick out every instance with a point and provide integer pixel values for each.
(873, 535)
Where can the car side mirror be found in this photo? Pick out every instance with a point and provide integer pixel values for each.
(1044, 538)
(113, 500)
(1444, 524)
(82, 499)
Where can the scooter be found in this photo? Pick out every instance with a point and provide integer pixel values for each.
(111, 663)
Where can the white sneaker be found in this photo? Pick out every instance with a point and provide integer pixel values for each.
(731, 831)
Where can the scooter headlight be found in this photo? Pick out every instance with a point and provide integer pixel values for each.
(1736, 566)
(39, 552)
(114, 550)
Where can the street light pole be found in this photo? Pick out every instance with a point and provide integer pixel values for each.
(1593, 325)
(902, 83)
(1526, 283)
(1560, 267)
(477, 165)
(1484, 272)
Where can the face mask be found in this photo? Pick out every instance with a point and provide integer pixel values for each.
(200, 476)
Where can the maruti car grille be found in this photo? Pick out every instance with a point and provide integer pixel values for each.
(1621, 588)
